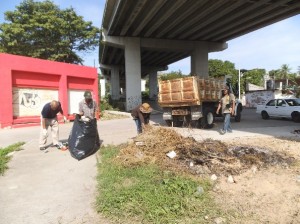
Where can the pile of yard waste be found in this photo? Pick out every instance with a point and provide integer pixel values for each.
(168, 149)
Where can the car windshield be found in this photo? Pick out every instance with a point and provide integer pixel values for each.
(293, 102)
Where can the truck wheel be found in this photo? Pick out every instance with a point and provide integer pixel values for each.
(195, 124)
(207, 121)
(169, 123)
(238, 115)
(296, 117)
(265, 115)
(177, 122)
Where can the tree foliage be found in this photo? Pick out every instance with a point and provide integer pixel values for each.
(283, 73)
(172, 75)
(43, 30)
(219, 68)
(253, 76)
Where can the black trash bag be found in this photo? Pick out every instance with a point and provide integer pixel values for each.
(84, 138)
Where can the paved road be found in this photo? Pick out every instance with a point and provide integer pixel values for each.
(53, 187)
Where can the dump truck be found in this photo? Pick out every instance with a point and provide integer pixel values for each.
(192, 101)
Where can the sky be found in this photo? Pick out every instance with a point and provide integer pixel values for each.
(268, 48)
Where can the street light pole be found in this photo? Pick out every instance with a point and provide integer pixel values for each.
(239, 84)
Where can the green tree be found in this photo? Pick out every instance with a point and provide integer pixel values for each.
(253, 76)
(172, 75)
(43, 30)
(219, 68)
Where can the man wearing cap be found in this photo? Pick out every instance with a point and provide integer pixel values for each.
(49, 119)
(141, 116)
(88, 107)
(227, 103)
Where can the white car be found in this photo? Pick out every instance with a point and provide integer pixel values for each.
(286, 108)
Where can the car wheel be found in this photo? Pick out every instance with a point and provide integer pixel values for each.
(296, 117)
(238, 115)
(207, 121)
(265, 115)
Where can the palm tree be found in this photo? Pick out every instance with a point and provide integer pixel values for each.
(284, 73)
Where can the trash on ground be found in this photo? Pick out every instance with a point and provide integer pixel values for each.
(206, 157)
(139, 143)
(171, 154)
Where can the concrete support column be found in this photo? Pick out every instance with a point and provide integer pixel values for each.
(199, 60)
(153, 88)
(115, 83)
(133, 73)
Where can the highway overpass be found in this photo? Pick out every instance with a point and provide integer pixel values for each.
(141, 37)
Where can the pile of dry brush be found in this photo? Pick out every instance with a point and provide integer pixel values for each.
(206, 157)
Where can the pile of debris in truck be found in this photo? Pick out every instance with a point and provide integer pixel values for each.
(171, 151)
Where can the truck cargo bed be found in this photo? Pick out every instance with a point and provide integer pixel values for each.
(188, 91)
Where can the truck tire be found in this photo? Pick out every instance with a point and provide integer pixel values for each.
(207, 121)
(296, 116)
(169, 123)
(238, 115)
(177, 122)
(195, 124)
(265, 115)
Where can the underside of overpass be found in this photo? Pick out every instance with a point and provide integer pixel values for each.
(141, 37)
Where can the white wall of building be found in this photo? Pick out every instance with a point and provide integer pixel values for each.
(252, 99)
(143, 85)
(102, 87)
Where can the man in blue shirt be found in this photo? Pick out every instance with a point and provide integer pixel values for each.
(49, 119)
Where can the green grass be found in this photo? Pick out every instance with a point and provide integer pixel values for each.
(147, 194)
(4, 158)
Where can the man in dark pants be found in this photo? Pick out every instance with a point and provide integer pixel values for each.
(49, 119)
(141, 116)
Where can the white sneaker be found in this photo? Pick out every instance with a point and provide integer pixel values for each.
(222, 132)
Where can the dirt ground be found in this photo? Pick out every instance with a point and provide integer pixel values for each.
(257, 180)
(266, 195)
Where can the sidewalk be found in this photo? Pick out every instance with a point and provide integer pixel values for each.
(53, 187)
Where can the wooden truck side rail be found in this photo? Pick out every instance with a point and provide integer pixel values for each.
(188, 91)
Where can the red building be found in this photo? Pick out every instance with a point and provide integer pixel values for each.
(27, 84)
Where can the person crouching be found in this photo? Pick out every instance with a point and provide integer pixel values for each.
(141, 116)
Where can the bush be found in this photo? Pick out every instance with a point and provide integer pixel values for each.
(145, 95)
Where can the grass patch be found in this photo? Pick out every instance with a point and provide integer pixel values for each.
(147, 194)
(106, 115)
(4, 157)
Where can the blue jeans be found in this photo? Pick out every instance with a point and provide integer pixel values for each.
(227, 126)
(138, 125)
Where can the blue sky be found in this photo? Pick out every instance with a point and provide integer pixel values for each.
(267, 48)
